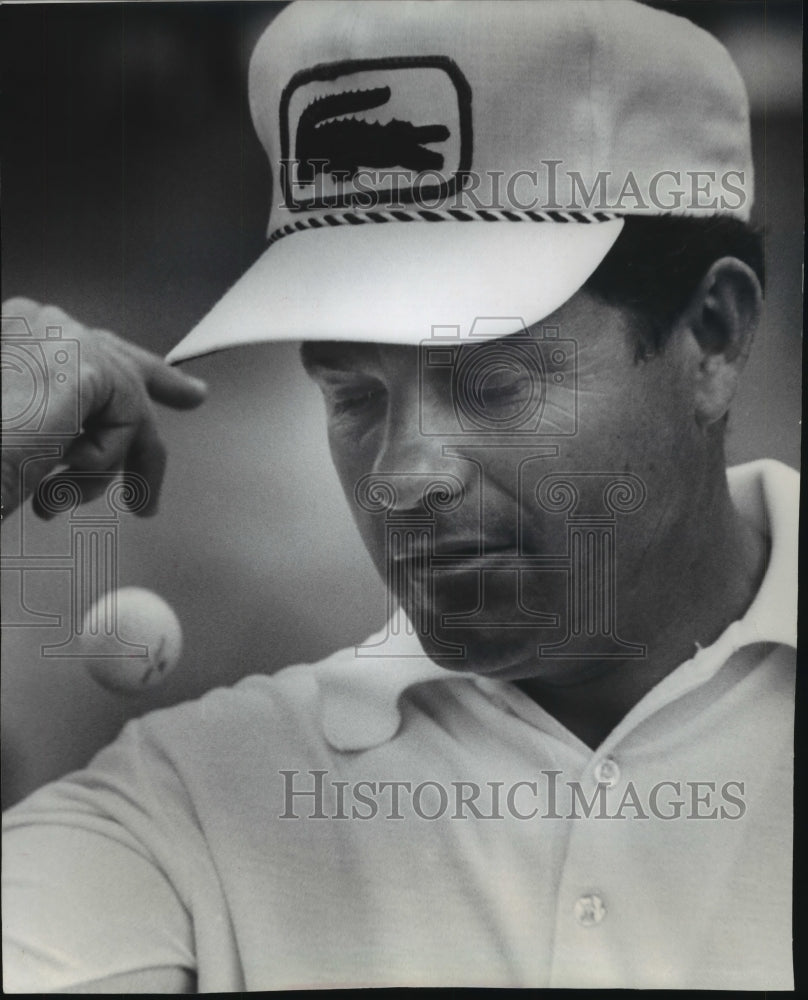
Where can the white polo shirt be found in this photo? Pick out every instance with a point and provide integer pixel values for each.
(444, 839)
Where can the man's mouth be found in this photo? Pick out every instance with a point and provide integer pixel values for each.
(416, 558)
(458, 555)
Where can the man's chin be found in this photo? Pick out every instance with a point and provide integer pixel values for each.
(510, 654)
(493, 639)
(488, 650)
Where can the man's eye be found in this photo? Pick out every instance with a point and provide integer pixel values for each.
(356, 401)
(504, 387)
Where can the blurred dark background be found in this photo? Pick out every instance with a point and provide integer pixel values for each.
(135, 192)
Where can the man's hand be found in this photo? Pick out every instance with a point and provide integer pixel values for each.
(86, 391)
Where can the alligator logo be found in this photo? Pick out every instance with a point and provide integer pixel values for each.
(331, 139)
(407, 117)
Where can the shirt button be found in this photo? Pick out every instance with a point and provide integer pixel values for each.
(589, 910)
(607, 772)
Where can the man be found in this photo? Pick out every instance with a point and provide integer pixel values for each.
(568, 762)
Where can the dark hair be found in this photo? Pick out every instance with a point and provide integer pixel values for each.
(657, 263)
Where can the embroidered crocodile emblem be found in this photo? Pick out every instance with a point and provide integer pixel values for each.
(326, 142)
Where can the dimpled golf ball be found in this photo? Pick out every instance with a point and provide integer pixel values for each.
(136, 616)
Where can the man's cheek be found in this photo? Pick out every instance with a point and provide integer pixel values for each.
(373, 535)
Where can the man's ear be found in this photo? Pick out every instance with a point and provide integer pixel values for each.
(722, 317)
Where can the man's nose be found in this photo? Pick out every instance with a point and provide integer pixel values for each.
(413, 464)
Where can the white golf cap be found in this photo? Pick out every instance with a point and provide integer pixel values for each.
(436, 162)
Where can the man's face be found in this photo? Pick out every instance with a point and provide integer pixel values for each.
(487, 455)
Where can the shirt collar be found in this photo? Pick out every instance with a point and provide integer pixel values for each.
(359, 691)
(767, 493)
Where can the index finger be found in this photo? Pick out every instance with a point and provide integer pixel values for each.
(173, 387)
(165, 384)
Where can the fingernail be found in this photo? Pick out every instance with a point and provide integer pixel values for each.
(197, 382)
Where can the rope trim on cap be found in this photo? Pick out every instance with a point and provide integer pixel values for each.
(435, 215)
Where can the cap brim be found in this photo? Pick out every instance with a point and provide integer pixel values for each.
(396, 282)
